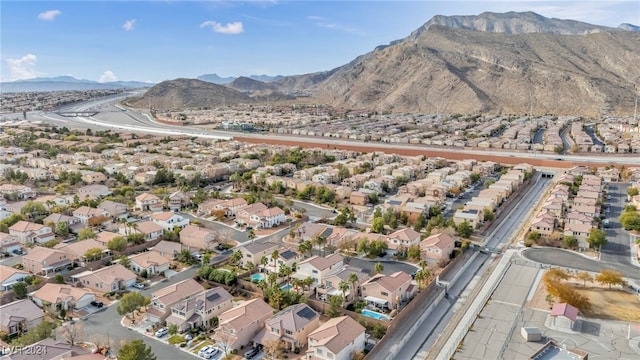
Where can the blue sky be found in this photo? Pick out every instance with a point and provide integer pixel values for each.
(160, 40)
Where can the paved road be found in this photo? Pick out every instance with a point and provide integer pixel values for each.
(107, 323)
(570, 259)
(616, 254)
(617, 249)
(132, 120)
(428, 331)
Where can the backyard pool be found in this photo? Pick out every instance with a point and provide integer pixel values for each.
(375, 315)
(286, 287)
(257, 277)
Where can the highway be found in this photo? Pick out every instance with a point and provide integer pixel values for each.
(110, 117)
(426, 333)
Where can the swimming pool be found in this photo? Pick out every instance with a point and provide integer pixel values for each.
(375, 315)
(257, 277)
(286, 287)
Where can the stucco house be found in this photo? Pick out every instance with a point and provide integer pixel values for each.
(437, 246)
(337, 339)
(60, 296)
(197, 311)
(151, 261)
(239, 325)
(19, 316)
(107, 279)
(388, 292)
(292, 325)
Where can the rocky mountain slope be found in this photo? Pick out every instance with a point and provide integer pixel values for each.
(190, 93)
(507, 63)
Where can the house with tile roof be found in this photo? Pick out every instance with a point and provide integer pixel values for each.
(45, 261)
(19, 316)
(198, 237)
(151, 261)
(238, 326)
(198, 310)
(8, 243)
(388, 292)
(110, 278)
(292, 325)
(149, 229)
(9, 276)
(61, 296)
(437, 246)
(253, 252)
(149, 202)
(169, 220)
(31, 233)
(77, 250)
(162, 300)
(403, 238)
(337, 339)
(318, 267)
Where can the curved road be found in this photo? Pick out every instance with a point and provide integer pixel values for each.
(569, 259)
(141, 122)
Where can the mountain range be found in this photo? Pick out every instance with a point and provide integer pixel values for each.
(214, 78)
(66, 83)
(489, 63)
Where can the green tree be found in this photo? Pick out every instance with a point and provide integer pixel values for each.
(118, 243)
(378, 225)
(464, 229)
(93, 254)
(59, 279)
(633, 191)
(569, 241)
(488, 214)
(630, 220)
(40, 332)
(378, 268)
(235, 257)
(413, 253)
(34, 211)
(136, 350)
(534, 235)
(130, 302)
(86, 233)
(20, 290)
(596, 238)
(334, 304)
(343, 286)
(172, 329)
(124, 261)
(62, 229)
(185, 257)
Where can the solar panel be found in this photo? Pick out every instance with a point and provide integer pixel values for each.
(326, 233)
(307, 313)
(213, 297)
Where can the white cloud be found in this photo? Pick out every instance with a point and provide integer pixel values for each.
(229, 28)
(23, 68)
(108, 76)
(49, 15)
(324, 23)
(128, 25)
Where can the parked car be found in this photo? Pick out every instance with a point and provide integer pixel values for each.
(97, 304)
(18, 252)
(138, 285)
(162, 332)
(251, 353)
(204, 350)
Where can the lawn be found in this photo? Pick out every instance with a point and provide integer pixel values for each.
(176, 339)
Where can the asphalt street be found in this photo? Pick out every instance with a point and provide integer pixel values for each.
(140, 122)
(615, 254)
(106, 324)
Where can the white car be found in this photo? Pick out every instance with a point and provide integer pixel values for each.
(205, 350)
(162, 332)
(138, 285)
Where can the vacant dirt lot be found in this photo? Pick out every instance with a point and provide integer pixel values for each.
(614, 304)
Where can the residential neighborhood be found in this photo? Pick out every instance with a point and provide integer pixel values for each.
(228, 248)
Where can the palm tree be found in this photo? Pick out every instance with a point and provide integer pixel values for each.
(264, 261)
(272, 278)
(235, 257)
(421, 277)
(285, 271)
(319, 240)
(353, 279)
(251, 266)
(274, 256)
(305, 247)
(378, 268)
(343, 286)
